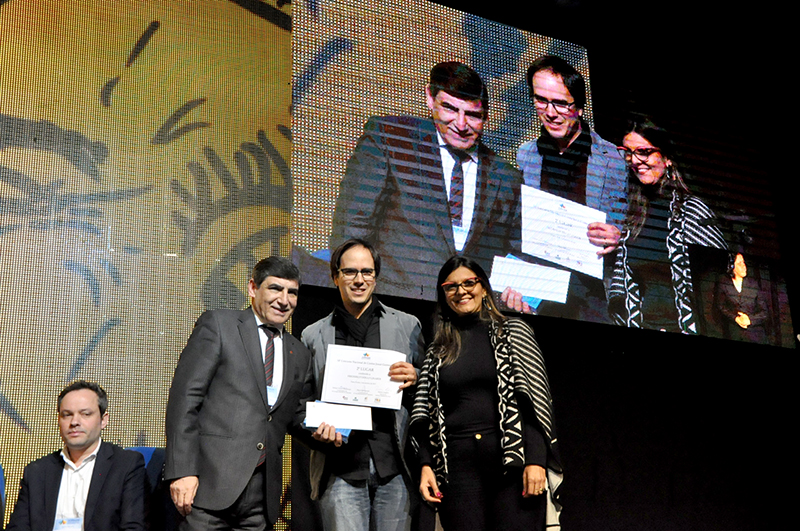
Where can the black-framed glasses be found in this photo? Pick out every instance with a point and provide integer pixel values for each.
(468, 284)
(561, 107)
(350, 273)
(642, 154)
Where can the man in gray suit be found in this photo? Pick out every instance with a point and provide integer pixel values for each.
(372, 461)
(570, 160)
(240, 384)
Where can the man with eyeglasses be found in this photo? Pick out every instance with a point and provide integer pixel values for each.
(367, 478)
(424, 189)
(572, 161)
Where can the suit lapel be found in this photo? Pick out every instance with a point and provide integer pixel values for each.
(328, 336)
(289, 361)
(251, 340)
(101, 467)
(52, 486)
(388, 331)
(428, 150)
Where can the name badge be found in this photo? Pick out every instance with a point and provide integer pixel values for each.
(68, 524)
(272, 395)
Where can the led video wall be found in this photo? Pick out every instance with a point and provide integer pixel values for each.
(144, 168)
(370, 161)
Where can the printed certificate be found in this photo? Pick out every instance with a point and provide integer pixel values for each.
(554, 228)
(359, 376)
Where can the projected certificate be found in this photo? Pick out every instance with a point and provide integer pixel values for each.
(360, 377)
(554, 228)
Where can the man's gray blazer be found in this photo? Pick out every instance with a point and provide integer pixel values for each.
(606, 177)
(399, 331)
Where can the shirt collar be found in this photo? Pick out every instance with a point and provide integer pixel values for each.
(472, 152)
(259, 323)
(91, 457)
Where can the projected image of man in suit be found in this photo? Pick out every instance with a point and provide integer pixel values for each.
(423, 189)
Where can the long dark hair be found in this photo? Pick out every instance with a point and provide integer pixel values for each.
(447, 339)
(639, 195)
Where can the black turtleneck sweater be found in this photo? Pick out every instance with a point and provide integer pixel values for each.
(469, 396)
(351, 461)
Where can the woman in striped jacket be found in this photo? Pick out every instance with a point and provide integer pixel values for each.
(482, 421)
(652, 282)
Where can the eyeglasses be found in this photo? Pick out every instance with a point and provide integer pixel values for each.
(350, 273)
(468, 284)
(640, 153)
(561, 107)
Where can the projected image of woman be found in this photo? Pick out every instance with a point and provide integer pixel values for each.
(652, 282)
(742, 303)
(482, 419)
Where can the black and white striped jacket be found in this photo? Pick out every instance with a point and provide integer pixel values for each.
(521, 375)
(685, 228)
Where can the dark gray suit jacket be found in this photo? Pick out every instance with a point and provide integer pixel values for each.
(115, 500)
(218, 419)
(393, 195)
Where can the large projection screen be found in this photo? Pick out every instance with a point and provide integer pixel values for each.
(359, 64)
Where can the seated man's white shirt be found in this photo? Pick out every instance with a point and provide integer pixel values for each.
(470, 168)
(74, 488)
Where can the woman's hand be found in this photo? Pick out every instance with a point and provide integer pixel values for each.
(428, 486)
(533, 481)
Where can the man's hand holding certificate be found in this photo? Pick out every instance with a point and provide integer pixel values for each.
(555, 229)
(360, 378)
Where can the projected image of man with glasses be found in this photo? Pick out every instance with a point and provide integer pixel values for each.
(570, 160)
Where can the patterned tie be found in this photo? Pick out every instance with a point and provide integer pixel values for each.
(269, 353)
(269, 363)
(457, 186)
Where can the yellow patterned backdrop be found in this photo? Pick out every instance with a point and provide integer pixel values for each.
(144, 149)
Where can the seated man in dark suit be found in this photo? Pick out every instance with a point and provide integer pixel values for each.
(423, 189)
(90, 485)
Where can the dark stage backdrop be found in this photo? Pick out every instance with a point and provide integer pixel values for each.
(664, 431)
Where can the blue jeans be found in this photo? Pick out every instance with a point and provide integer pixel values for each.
(373, 507)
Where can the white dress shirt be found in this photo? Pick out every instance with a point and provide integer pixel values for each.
(470, 167)
(277, 364)
(74, 488)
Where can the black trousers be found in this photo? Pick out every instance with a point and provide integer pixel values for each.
(247, 512)
(483, 495)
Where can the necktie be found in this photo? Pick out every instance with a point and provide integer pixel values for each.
(269, 353)
(269, 363)
(457, 186)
